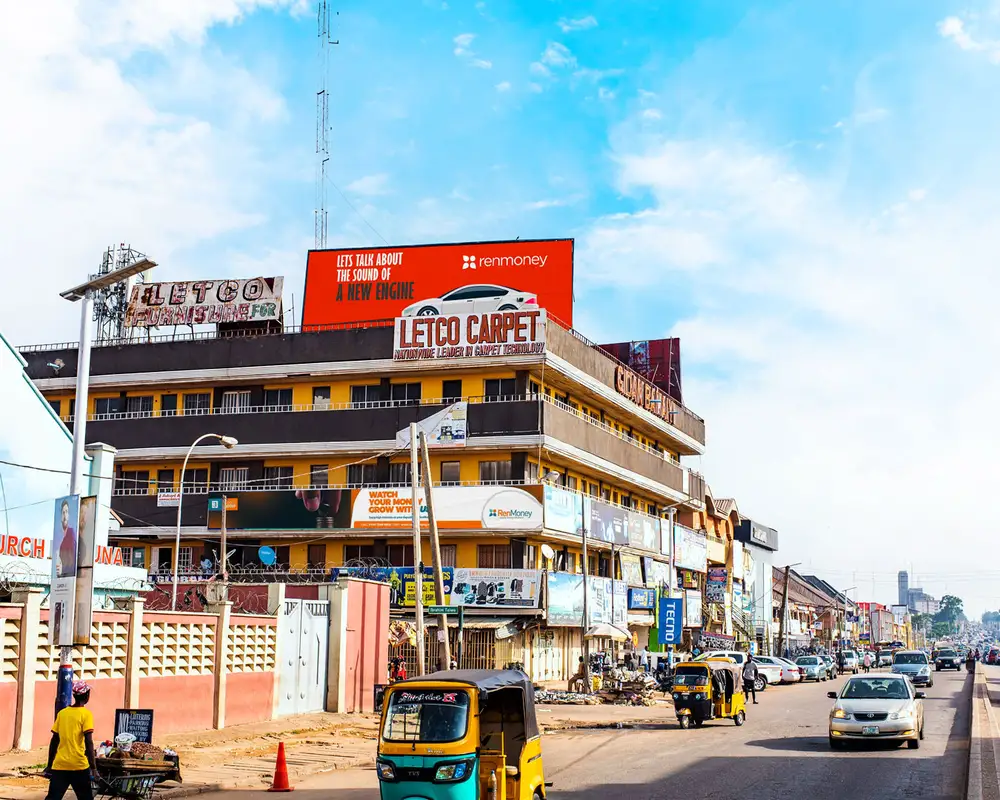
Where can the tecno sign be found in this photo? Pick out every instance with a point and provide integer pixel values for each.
(474, 262)
(460, 336)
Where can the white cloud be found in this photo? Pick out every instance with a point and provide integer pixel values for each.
(953, 28)
(555, 202)
(596, 75)
(651, 114)
(916, 195)
(604, 94)
(369, 185)
(558, 55)
(582, 24)
(463, 49)
(534, 87)
(538, 68)
(481, 63)
(503, 86)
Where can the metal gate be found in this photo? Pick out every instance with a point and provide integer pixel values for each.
(305, 647)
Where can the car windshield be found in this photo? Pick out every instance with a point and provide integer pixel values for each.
(690, 676)
(807, 660)
(947, 654)
(426, 715)
(875, 689)
(910, 658)
(885, 653)
(850, 654)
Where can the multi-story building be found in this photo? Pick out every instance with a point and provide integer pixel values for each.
(903, 580)
(529, 447)
(760, 544)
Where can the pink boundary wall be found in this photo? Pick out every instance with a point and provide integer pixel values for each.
(367, 635)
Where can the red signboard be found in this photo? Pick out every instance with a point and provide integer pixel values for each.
(380, 283)
(656, 360)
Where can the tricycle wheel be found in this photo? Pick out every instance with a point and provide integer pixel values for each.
(684, 722)
(698, 722)
(740, 718)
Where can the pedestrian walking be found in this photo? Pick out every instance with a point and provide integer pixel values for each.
(867, 662)
(644, 659)
(750, 678)
(71, 749)
(629, 662)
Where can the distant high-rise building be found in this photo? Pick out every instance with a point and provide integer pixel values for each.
(904, 588)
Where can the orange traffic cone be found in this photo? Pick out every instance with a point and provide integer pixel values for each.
(280, 782)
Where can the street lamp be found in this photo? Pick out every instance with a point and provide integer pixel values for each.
(229, 443)
(844, 592)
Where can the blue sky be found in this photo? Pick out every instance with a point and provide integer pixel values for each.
(804, 192)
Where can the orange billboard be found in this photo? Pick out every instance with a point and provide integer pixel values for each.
(381, 283)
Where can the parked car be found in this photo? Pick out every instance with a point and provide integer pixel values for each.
(789, 672)
(877, 708)
(813, 668)
(915, 665)
(851, 661)
(948, 659)
(831, 666)
(766, 673)
(884, 659)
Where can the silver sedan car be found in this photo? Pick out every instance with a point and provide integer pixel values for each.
(877, 708)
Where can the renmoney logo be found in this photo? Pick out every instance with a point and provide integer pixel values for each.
(468, 262)
(510, 513)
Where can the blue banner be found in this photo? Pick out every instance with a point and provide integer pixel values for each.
(670, 621)
(641, 598)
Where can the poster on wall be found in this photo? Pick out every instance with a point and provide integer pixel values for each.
(565, 600)
(563, 510)
(692, 609)
(631, 569)
(607, 522)
(361, 284)
(446, 428)
(402, 583)
(455, 507)
(509, 588)
(85, 557)
(62, 596)
(204, 302)
(715, 586)
(643, 531)
(690, 549)
(454, 337)
(657, 573)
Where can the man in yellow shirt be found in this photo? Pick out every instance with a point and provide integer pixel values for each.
(71, 750)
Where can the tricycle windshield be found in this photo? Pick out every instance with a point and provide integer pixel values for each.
(426, 715)
(690, 676)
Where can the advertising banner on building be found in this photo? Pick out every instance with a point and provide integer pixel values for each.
(379, 283)
(606, 523)
(641, 598)
(643, 531)
(657, 573)
(85, 557)
(631, 569)
(507, 588)
(563, 510)
(565, 600)
(690, 549)
(737, 560)
(670, 620)
(301, 509)
(692, 609)
(454, 337)
(899, 614)
(446, 428)
(455, 508)
(65, 547)
(666, 540)
(715, 586)
(656, 360)
(154, 305)
(738, 597)
(403, 583)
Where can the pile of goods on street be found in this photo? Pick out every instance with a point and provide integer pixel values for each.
(555, 697)
(619, 687)
(126, 756)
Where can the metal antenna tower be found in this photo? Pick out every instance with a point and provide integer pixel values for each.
(110, 303)
(322, 122)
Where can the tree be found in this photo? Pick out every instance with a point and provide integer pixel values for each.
(941, 630)
(991, 618)
(951, 612)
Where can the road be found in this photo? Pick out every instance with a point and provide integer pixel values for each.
(781, 752)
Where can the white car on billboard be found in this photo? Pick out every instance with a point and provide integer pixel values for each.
(480, 298)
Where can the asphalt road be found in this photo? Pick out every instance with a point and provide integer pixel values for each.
(782, 753)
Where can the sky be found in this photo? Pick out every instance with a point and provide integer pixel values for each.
(805, 193)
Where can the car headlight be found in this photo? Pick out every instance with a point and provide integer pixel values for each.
(901, 715)
(385, 771)
(453, 771)
(839, 713)
(925, 670)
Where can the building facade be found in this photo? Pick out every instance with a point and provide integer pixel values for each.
(760, 543)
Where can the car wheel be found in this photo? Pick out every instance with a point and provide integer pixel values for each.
(698, 722)
(836, 744)
(759, 684)
(507, 307)
(740, 718)
(921, 730)
(684, 722)
(913, 744)
(427, 311)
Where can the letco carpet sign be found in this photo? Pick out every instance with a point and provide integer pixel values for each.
(154, 305)
(461, 336)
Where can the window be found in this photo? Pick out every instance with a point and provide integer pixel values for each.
(405, 393)
(103, 406)
(593, 489)
(530, 556)
(321, 397)
(570, 562)
(200, 403)
(164, 480)
(184, 556)
(72, 407)
(140, 404)
(196, 480)
(531, 472)
(283, 556)
(277, 398)
(571, 482)
(400, 555)
(236, 402)
(604, 568)
(233, 478)
(591, 565)
(316, 556)
(606, 495)
(56, 406)
(361, 395)
(278, 477)
(500, 387)
(494, 471)
(168, 405)
(133, 481)
(451, 391)
(399, 472)
(127, 556)
(534, 388)
(493, 556)
(449, 555)
(361, 475)
(358, 552)
(137, 558)
(451, 473)
(319, 475)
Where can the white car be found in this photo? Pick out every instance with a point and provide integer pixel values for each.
(475, 299)
(877, 708)
(789, 672)
(851, 661)
(767, 674)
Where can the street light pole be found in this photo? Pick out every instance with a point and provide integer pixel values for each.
(229, 443)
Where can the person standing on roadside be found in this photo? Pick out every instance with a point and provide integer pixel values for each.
(750, 678)
(867, 662)
(644, 659)
(71, 750)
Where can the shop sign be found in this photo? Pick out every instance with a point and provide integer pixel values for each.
(715, 586)
(455, 507)
(641, 598)
(669, 621)
(506, 588)
(692, 609)
(565, 600)
(644, 394)
(136, 721)
(643, 531)
(402, 583)
(446, 428)
(460, 336)
(631, 569)
(607, 523)
(716, 641)
(688, 579)
(690, 549)
(154, 305)
(563, 510)
(168, 499)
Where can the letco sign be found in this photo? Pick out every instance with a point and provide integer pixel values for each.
(204, 302)
(460, 336)
(642, 393)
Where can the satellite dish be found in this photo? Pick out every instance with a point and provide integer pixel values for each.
(548, 552)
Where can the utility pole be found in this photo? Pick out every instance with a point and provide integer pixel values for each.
(418, 567)
(222, 567)
(586, 604)
(444, 649)
(784, 612)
